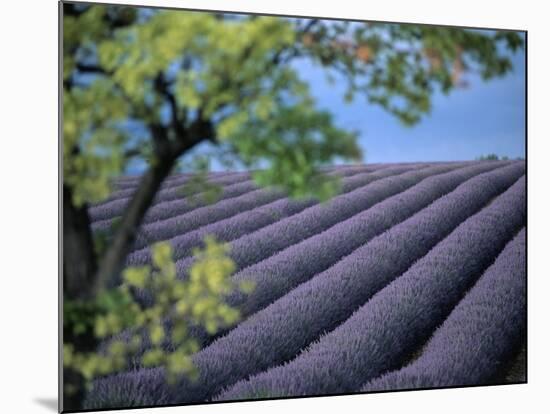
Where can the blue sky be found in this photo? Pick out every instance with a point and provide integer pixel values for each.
(487, 117)
(484, 118)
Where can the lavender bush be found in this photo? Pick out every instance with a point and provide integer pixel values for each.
(172, 203)
(269, 240)
(182, 245)
(278, 274)
(168, 203)
(227, 229)
(182, 223)
(480, 334)
(330, 297)
(383, 333)
(352, 289)
(127, 190)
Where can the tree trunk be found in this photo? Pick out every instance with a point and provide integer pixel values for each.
(79, 262)
(113, 262)
(79, 269)
(74, 390)
(166, 153)
(82, 278)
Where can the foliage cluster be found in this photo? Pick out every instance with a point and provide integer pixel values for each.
(196, 301)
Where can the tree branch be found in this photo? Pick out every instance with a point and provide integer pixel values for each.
(294, 52)
(132, 152)
(91, 68)
(74, 10)
(202, 128)
(161, 85)
(167, 152)
(79, 261)
(309, 26)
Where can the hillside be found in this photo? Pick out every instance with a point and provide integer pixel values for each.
(412, 277)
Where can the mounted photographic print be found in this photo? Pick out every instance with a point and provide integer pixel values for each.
(266, 206)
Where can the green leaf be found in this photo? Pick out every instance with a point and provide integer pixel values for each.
(136, 276)
(152, 357)
(156, 333)
(161, 253)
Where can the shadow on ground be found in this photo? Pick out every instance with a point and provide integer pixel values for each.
(49, 403)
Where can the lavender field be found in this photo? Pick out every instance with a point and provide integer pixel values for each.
(413, 276)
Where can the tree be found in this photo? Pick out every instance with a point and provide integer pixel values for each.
(188, 78)
(492, 157)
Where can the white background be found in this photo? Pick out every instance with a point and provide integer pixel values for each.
(28, 219)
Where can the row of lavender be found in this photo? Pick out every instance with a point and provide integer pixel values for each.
(307, 256)
(230, 206)
(170, 202)
(479, 334)
(399, 318)
(169, 190)
(125, 184)
(170, 218)
(309, 210)
(352, 297)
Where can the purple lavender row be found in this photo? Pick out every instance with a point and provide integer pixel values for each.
(178, 224)
(167, 187)
(345, 170)
(249, 219)
(175, 183)
(480, 335)
(181, 205)
(225, 180)
(384, 332)
(271, 239)
(113, 391)
(183, 223)
(280, 273)
(181, 180)
(238, 225)
(329, 298)
(129, 182)
(385, 165)
(175, 176)
(116, 207)
(167, 209)
(161, 210)
(327, 249)
(319, 304)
